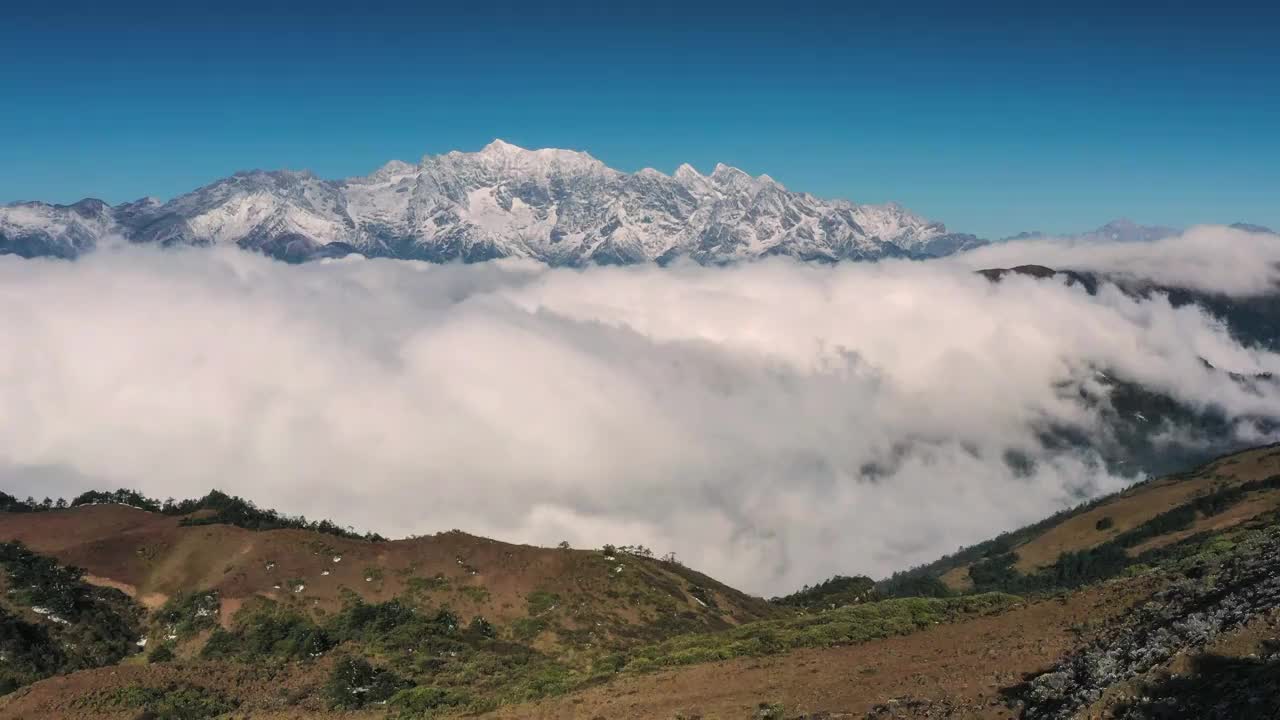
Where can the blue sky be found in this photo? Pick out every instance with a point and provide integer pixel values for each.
(992, 118)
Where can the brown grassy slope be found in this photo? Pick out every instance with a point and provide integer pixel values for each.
(89, 694)
(952, 670)
(963, 663)
(1144, 501)
(152, 556)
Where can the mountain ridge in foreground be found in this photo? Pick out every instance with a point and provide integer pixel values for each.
(561, 207)
(1164, 598)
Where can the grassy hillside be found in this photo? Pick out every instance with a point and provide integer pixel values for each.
(1102, 538)
(290, 622)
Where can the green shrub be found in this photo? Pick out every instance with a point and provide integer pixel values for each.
(84, 627)
(481, 628)
(227, 509)
(393, 626)
(842, 626)
(769, 711)
(903, 585)
(269, 632)
(541, 601)
(354, 683)
(526, 629)
(838, 590)
(175, 701)
(424, 700)
(220, 645)
(162, 654)
(186, 614)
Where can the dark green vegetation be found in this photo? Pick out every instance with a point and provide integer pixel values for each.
(268, 631)
(835, 592)
(432, 656)
(173, 701)
(355, 683)
(925, 580)
(212, 509)
(995, 571)
(431, 660)
(189, 613)
(53, 622)
(230, 510)
(842, 626)
(161, 654)
(1217, 686)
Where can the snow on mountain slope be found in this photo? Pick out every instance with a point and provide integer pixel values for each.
(34, 229)
(559, 206)
(1121, 230)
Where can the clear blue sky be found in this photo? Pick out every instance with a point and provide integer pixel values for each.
(993, 117)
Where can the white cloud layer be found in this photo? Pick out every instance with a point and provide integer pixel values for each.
(1209, 258)
(732, 415)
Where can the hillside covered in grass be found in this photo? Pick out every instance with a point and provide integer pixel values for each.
(204, 615)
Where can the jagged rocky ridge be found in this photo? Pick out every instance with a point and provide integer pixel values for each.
(1217, 593)
(558, 206)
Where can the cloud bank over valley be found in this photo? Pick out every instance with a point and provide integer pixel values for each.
(772, 422)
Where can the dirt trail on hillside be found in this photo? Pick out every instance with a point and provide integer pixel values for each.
(150, 601)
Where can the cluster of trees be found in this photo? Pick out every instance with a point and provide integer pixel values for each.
(39, 581)
(83, 627)
(924, 580)
(634, 551)
(991, 563)
(30, 652)
(1108, 559)
(1183, 516)
(837, 591)
(906, 585)
(186, 614)
(231, 510)
(354, 683)
(132, 498)
(218, 507)
(11, 504)
(173, 701)
(410, 643)
(271, 633)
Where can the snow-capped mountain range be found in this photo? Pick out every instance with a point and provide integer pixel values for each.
(559, 206)
(1122, 230)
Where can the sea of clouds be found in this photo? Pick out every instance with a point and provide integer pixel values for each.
(772, 423)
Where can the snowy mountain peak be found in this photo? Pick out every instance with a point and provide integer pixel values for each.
(1118, 230)
(722, 171)
(395, 168)
(686, 172)
(502, 148)
(563, 207)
